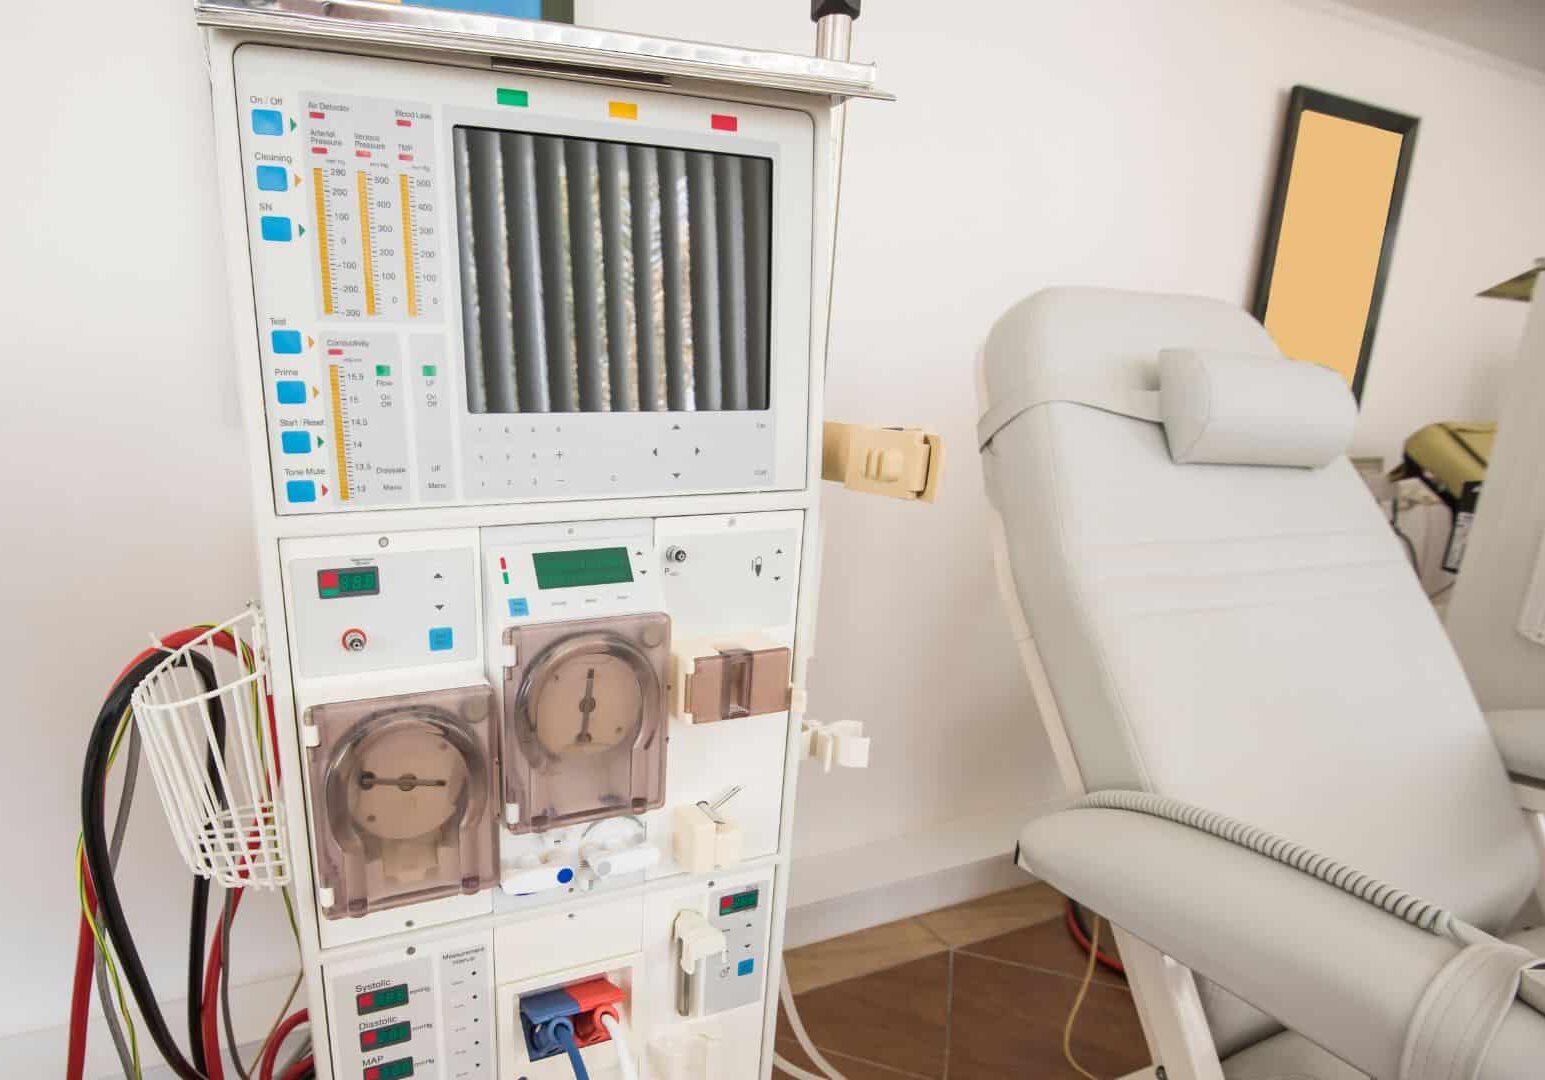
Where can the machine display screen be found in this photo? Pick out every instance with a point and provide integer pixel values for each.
(593, 566)
(745, 901)
(374, 1001)
(604, 276)
(348, 581)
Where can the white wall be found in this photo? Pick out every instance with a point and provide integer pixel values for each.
(1112, 142)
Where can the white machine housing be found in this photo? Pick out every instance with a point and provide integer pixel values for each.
(400, 550)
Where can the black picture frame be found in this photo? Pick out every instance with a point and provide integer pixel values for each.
(1307, 99)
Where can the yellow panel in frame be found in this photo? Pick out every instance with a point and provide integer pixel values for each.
(1338, 196)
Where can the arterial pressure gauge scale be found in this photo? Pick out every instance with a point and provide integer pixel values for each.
(530, 334)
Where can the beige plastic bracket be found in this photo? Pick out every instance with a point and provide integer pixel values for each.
(903, 463)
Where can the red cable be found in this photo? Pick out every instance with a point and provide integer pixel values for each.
(211, 1010)
(1083, 942)
(265, 1069)
(85, 941)
(300, 1068)
(80, 998)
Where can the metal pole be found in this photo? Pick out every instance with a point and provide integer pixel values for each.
(834, 41)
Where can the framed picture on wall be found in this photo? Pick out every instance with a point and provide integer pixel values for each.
(1331, 232)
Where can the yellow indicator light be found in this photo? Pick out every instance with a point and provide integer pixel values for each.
(622, 110)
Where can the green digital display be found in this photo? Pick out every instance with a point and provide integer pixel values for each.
(388, 997)
(742, 901)
(592, 566)
(348, 581)
(390, 1035)
(390, 1070)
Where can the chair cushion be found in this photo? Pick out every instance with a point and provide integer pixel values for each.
(1228, 408)
(1288, 1056)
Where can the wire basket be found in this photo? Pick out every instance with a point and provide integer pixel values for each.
(207, 726)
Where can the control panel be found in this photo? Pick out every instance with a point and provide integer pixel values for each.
(477, 288)
(425, 1011)
(740, 914)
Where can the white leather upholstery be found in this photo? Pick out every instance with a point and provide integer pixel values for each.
(1520, 736)
(1288, 1056)
(1226, 408)
(1246, 639)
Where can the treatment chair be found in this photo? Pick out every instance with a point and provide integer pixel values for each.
(1215, 613)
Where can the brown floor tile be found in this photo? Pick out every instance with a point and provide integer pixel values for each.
(896, 1018)
(850, 1067)
(1048, 945)
(852, 955)
(991, 916)
(1006, 1024)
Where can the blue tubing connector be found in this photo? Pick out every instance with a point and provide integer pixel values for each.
(563, 1032)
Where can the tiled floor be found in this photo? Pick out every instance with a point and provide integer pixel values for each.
(975, 992)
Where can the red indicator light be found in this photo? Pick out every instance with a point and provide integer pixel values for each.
(502, 564)
(319, 149)
(328, 579)
(368, 1038)
(722, 122)
(365, 1000)
(726, 905)
(334, 352)
(404, 123)
(362, 153)
(373, 1073)
(317, 115)
(404, 157)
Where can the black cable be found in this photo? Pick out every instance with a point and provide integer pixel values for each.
(198, 916)
(98, 864)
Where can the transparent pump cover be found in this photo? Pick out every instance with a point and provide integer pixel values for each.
(404, 799)
(585, 720)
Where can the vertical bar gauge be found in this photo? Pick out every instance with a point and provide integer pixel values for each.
(324, 249)
(405, 198)
(367, 241)
(340, 429)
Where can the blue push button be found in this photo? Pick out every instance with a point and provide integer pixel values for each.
(273, 178)
(286, 342)
(519, 607)
(565, 876)
(295, 442)
(745, 967)
(290, 391)
(276, 228)
(267, 122)
(441, 639)
(298, 491)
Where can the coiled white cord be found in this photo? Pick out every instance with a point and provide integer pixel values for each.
(618, 1031)
(1397, 902)
(828, 1071)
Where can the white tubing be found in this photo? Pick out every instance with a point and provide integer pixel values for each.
(618, 1031)
(828, 1071)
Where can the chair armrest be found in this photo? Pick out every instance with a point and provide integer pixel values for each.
(1520, 736)
(1339, 971)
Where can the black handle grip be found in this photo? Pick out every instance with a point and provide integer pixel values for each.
(819, 9)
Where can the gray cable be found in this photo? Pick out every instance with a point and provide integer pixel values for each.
(114, 848)
(1397, 902)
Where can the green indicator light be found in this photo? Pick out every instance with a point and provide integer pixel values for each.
(383, 370)
(506, 579)
(518, 98)
(397, 1070)
(429, 371)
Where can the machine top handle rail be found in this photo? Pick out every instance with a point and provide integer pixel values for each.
(401, 25)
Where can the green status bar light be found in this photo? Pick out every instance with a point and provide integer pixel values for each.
(572, 569)
(507, 96)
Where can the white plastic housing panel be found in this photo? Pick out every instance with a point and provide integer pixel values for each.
(733, 1037)
(431, 1004)
(737, 572)
(348, 177)
(536, 947)
(424, 610)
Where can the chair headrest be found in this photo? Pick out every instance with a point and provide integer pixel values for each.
(1230, 408)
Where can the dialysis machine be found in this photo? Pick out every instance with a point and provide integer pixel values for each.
(531, 327)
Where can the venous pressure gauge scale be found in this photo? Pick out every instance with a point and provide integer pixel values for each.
(585, 720)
